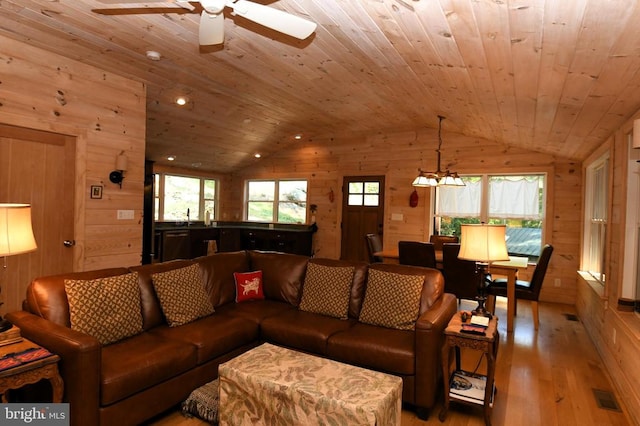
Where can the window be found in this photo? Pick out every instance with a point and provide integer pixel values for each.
(364, 194)
(176, 196)
(513, 200)
(595, 221)
(278, 201)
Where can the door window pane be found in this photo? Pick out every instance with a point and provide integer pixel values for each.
(364, 194)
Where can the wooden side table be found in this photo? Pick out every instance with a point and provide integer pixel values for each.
(31, 372)
(488, 344)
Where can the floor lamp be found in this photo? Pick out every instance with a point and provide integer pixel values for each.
(16, 237)
(483, 244)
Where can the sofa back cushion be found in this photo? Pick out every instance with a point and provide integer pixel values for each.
(282, 274)
(106, 308)
(432, 287)
(357, 286)
(392, 300)
(47, 298)
(217, 272)
(326, 290)
(182, 295)
(151, 311)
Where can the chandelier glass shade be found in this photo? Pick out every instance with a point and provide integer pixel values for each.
(439, 177)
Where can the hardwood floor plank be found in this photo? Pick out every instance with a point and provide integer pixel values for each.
(543, 377)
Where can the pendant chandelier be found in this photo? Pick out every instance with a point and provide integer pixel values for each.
(439, 177)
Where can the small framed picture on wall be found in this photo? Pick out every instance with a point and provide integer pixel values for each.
(96, 191)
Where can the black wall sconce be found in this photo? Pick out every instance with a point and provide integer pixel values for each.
(117, 176)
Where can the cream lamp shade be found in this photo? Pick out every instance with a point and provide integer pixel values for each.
(483, 243)
(16, 234)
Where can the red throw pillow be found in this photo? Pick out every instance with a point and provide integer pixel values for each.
(248, 286)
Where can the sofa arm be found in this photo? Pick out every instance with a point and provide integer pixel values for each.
(429, 335)
(79, 365)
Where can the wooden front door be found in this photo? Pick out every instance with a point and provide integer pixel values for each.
(37, 168)
(362, 214)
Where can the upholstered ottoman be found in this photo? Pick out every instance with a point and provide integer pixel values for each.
(282, 386)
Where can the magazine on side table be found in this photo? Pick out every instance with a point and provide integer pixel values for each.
(469, 387)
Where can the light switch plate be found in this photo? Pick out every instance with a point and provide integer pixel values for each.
(125, 214)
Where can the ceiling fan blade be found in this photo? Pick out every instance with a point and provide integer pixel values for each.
(275, 19)
(211, 29)
(182, 3)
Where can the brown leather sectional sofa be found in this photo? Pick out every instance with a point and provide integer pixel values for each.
(139, 377)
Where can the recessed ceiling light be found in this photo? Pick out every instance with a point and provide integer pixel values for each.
(171, 157)
(181, 100)
(298, 137)
(257, 155)
(153, 55)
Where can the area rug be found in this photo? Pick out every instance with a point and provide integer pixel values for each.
(203, 403)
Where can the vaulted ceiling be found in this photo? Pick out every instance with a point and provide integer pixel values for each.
(557, 76)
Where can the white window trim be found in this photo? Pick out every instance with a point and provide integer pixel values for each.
(484, 208)
(588, 203)
(201, 213)
(276, 199)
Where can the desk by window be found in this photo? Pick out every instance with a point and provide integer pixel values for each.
(510, 269)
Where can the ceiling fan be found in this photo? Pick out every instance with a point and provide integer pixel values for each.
(211, 29)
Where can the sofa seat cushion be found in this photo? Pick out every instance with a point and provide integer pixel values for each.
(255, 310)
(135, 364)
(213, 336)
(378, 348)
(302, 330)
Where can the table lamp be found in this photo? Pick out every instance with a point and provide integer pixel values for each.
(483, 244)
(16, 237)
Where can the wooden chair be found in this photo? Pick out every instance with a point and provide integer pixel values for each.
(439, 240)
(527, 290)
(416, 253)
(460, 276)
(374, 244)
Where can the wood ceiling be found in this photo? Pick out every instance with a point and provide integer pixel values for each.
(557, 76)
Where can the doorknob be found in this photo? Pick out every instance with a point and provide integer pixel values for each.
(69, 243)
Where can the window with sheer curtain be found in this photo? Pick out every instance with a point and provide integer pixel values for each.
(514, 200)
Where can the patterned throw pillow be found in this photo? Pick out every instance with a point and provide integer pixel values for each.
(248, 286)
(105, 308)
(392, 300)
(327, 290)
(182, 295)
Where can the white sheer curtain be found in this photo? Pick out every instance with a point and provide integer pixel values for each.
(460, 201)
(514, 197)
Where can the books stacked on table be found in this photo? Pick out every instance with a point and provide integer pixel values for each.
(26, 356)
(10, 336)
(477, 325)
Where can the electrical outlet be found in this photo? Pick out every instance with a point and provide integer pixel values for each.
(557, 282)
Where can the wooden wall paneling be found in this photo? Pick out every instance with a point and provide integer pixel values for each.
(106, 114)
